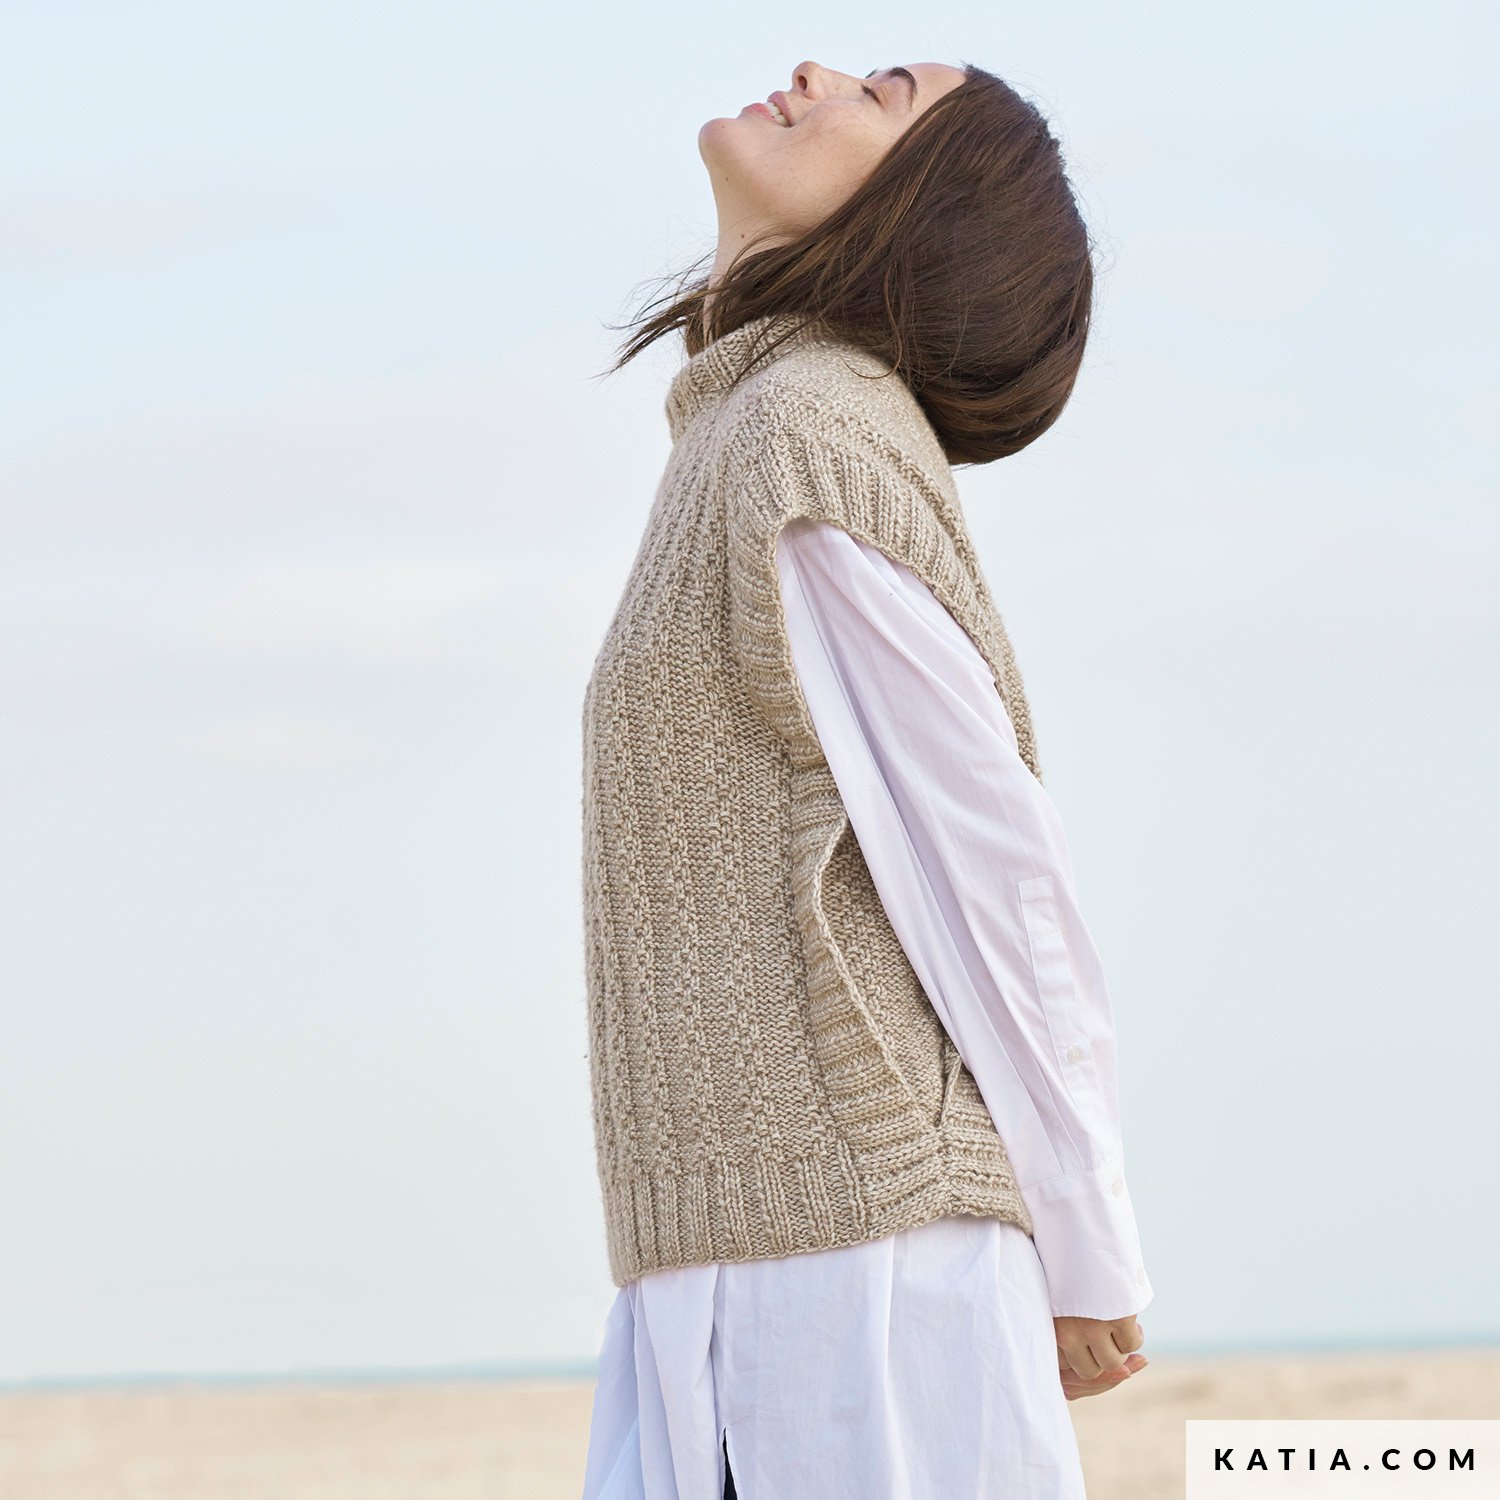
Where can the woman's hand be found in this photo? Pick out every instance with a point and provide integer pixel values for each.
(1094, 1355)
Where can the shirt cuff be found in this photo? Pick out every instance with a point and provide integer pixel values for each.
(1085, 1234)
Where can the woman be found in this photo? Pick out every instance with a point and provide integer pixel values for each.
(852, 1053)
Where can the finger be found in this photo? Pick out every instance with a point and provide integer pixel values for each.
(1109, 1354)
(1106, 1381)
(1074, 1388)
(1082, 1361)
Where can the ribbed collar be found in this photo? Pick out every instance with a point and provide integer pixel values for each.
(711, 371)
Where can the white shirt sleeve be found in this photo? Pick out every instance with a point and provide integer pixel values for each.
(969, 857)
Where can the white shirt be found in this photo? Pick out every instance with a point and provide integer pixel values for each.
(924, 1362)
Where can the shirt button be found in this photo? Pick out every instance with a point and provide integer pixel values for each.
(1117, 1187)
(1074, 1054)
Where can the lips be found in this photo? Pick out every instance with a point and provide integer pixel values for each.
(779, 100)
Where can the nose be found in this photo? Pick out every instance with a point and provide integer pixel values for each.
(806, 75)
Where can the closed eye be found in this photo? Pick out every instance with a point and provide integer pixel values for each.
(871, 92)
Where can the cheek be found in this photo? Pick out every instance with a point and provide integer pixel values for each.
(840, 153)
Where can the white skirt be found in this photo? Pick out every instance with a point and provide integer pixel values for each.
(917, 1366)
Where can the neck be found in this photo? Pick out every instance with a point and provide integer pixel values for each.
(736, 232)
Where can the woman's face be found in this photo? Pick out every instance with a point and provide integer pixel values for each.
(836, 128)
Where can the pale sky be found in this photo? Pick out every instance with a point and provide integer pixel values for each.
(311, 519)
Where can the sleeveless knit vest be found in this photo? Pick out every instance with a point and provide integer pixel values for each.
(767, 1074)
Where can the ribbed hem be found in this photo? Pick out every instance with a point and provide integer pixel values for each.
(765, 1207)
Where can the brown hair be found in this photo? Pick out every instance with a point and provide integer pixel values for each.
(962, 261)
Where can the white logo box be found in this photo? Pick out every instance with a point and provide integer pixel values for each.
(1286, 1458)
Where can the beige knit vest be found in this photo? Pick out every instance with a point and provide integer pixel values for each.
(768, 1075)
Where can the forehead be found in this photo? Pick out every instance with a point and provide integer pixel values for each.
(940, 74)
(933, 79)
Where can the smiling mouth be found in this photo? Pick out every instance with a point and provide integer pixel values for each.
(772, 111)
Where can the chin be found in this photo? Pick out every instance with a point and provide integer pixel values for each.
(726, 136)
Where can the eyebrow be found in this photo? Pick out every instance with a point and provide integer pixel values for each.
(905, 75)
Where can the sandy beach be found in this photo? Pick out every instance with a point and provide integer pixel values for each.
(526, 1441)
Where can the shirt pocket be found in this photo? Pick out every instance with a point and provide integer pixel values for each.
(1057, 991)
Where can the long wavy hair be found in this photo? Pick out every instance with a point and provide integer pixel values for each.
(962, 261)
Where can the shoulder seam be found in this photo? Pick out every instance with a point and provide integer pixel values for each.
(873, 443)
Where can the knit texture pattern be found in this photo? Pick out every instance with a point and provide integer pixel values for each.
(768, 1076)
